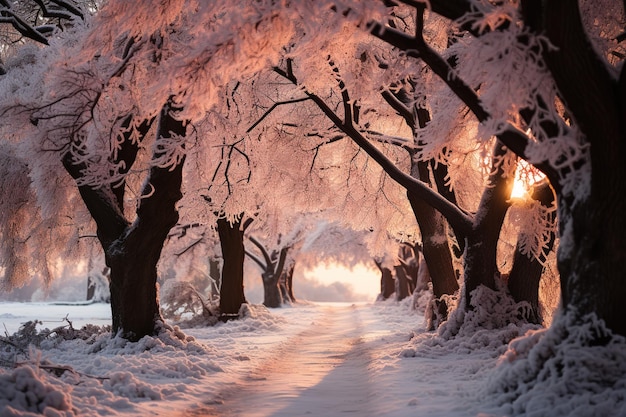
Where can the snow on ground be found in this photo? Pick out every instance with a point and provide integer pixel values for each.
(312, 359)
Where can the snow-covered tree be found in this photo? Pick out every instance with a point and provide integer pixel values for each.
(477, 233)
(38, 20)
(274, 264)
(550, 91)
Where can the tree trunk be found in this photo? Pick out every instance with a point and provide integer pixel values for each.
(402, 284)
(271, 290)
(132, 251)
(387, 283)
(435, 248)
(433, 227)
(233, 253)
(134, 256)
(592, 252)
(290, 283)
(592, 267)
(480, 266)
(284, 292)
(526, 272)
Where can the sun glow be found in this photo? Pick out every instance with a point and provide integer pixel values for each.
(363, 279)
(525, 177)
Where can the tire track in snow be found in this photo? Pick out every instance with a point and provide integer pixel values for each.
(322, 371)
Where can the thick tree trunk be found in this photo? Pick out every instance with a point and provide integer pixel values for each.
(233, 253)
(437, 256)
(132, 251)
(134, 256)
(524, 283)
(434, 230)
(435, 248)
(134, 300)
(591, 260)
(592, 251)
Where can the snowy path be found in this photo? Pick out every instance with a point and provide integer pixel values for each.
(322, 371)
(311, 359)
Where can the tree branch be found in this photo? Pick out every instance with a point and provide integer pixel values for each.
(454, 215)
(281, 261)
(256, 259)
(512, 137)
(266, 255)
(398, 105)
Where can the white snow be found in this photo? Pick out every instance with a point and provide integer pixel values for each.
(311, 359)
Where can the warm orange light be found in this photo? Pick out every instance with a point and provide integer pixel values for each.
(525, 177)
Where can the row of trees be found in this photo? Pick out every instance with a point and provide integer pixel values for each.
(152, 107)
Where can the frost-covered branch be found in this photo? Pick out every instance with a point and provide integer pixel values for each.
(511, 136)
(404, 110)
(454, 215)
(18, 14)
(274, 106)
(64, 10)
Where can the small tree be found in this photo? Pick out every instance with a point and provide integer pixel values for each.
(274, 272)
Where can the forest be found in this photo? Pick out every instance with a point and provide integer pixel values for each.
(472, 150)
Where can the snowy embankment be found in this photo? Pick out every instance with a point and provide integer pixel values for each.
(310, 359)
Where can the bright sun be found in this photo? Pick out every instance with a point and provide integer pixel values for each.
(525, 177)
(519, 189)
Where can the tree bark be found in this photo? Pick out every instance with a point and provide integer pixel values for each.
(480, 266)
(435, 246)
(134, 256)
(526, 272)
(292, 297)
(432, 225)
(132, 251)
(592, 253)
(387, 284)
(272, 297)
(233, 253)
(402, 284)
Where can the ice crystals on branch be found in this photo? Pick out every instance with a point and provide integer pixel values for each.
(535, 224)
(485, 16)
(169, 151)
